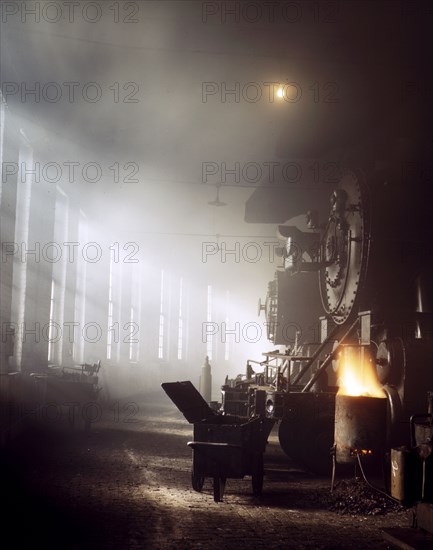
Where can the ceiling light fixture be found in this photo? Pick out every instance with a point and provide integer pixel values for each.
(217, 201)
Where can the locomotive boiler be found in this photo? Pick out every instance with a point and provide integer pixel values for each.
(369, 260)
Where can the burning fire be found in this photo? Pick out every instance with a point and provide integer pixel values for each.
(357, 377)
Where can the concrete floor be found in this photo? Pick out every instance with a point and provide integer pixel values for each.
(126, 484)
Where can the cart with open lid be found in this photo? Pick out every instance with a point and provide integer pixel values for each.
(224, 446)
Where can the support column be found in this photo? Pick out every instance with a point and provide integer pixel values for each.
(38, 269)
(70, 332)
(94, 331)
(9, 155)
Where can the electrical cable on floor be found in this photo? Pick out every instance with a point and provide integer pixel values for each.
(372, 486)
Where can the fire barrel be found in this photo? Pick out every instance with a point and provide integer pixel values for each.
(360, 426)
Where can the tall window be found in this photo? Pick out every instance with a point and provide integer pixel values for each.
(227, 345)
(132, 350)
(110, 311)
(135, 315)
(58, 286)
(209, 346)
(80, 292)
(180, 326)
(25, 187)
(51, 325)
(161, 320)
(2, 131)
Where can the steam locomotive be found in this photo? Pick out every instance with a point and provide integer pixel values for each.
(362, 275)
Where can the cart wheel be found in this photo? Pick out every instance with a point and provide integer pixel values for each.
(197, 482)
(257, 474)
(219, 484)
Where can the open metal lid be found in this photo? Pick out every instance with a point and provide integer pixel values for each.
(189, 401)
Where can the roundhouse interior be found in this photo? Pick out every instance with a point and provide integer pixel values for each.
(163, 166)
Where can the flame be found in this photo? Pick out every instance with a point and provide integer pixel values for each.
(362, 452)
(357, 377)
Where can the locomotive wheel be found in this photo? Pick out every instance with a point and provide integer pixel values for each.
(309, 444)
(197, 482)
(318, 451)
(219, 484)
(287, 439)
(257, 474)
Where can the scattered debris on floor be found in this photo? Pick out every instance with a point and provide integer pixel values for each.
(357, 498)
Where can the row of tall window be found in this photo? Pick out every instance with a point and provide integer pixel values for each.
(127, 323)
(165, 318)
(66, 293)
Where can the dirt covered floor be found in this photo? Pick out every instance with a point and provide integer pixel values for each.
(127, 484)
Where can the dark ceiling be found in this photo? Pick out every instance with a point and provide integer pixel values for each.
(363, 69)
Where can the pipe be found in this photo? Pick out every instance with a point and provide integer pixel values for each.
(315, 355)
(330, 357)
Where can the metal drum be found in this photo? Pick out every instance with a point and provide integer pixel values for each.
(360, 426)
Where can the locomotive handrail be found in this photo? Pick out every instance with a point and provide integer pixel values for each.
(330, 357)
(283, 356)
(316, 354)
(273, 371)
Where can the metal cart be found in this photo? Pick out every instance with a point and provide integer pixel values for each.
(224, 446)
